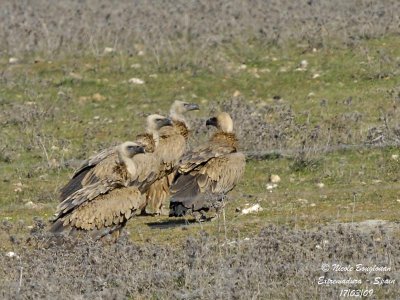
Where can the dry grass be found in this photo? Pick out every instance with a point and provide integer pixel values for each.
(277, 263)
(328, 126)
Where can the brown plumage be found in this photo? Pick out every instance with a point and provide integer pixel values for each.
(173, 144)
(105, 205)
(209, 172)
(97, 167)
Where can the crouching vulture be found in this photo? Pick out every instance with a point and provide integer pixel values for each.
(206, 174)
(97, 167)
(172, 145)
(104, 206)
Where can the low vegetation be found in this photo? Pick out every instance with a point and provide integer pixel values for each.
(314, 93)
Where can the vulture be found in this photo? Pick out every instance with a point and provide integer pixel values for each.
(103, 206)
(97, 167)
(206, 174)
(172, 145)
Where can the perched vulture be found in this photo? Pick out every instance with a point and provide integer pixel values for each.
(206, 174)
(104, 206)
(173, 144)
(97, 167)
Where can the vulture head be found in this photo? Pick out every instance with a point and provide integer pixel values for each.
(222, 121)
(126, 152)
(155, 122)
(129, 149)
(179, 108)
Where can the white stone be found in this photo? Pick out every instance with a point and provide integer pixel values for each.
(13, 60)
(252, 209)
(274, 178)
(304, 64)
(136, 81)
(271, 186)
(30, 204)
(11, 254)
(109, 50)
(302, 201)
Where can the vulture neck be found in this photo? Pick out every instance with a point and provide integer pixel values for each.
(177, 117)
(225, 139)
(156, 136)
(129, 164)
(182, 129)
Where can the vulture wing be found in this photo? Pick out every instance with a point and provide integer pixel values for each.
(205, 178)
(87, 166)
(104, 214)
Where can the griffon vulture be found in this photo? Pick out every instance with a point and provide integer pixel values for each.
(173, 144)
(208, 173)
(97, 167)
(104, 206)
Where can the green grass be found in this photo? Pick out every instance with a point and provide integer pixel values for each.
(51, 116)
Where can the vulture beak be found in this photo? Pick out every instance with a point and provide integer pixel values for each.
(135, 149)
(164, 122)
(212, 121)
(192, 106)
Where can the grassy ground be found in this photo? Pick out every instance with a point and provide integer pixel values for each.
(56, 112)
(327, 127)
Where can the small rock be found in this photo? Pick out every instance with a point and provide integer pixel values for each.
(398, 200)
(236, 94)
(136, 81)
(271, 186)
(136, 66)
(395, 157)
(96, 117)
(302, 66)
(254, 208)
(316, 76)
(109, 50)
(141, 53)
(11, 254)
(302, 201)
(13, 60)
(274, 178)
(320, 185)
(30, 204)
(75, 76)
(242, 67)
(98, 97)
(313, 204)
